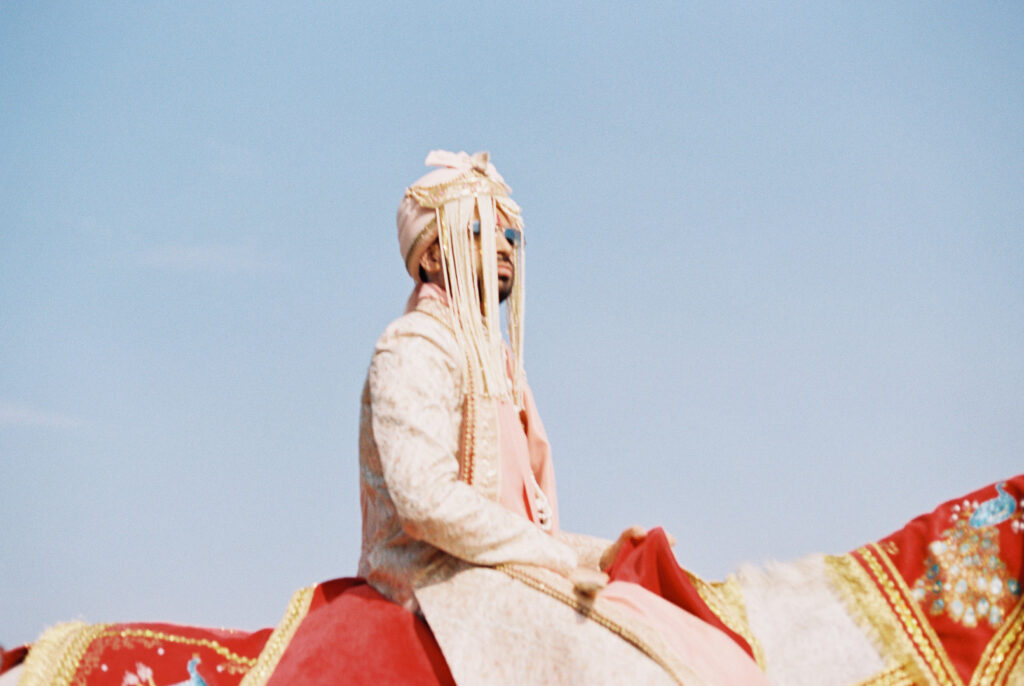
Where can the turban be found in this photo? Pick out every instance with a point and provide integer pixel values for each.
(442, 206)
(460, 175)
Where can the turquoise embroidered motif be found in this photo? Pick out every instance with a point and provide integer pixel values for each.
(994, 511)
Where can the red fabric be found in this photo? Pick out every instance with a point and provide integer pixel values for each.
(161, 653)
(651, 564)
(12, 658)
(924, 563)
(355, 636)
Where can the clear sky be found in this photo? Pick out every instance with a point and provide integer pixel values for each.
(775, 283)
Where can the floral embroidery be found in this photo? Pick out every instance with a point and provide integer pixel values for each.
(143, 675)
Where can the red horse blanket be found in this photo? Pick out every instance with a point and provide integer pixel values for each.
(943, 594)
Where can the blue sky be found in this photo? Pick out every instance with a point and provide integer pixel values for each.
(775, 282)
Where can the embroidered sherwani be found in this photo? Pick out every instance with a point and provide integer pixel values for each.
(490, 583)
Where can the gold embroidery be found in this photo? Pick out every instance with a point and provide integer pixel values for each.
(216, 647)
(920, 629)
(62, 652)
(894, 676)
(1013, 667)
(676, 671)
(964, 576)
(468, 432)
(868, 607)
(53, 659)
(1003, 651)
(892, 617)
(725, 599)
(298, 608)
(465, 185)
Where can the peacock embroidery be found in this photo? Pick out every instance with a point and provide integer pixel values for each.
(964, 576)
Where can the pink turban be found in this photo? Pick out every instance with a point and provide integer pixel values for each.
(417, 228)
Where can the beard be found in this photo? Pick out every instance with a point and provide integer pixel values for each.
(504, 289)
(505, 285)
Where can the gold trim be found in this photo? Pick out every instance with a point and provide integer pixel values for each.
(216, 647)
(1003, 651)
(1014, 666)
(918, 625)
(420, 237)
(53, 659)
(725, 599)
(57, 656)
(298, 608)
(588, 610)
(467, 465)
(868, 607)
(469, 183)
(894, 676)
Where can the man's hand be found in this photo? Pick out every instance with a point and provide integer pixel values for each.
(633, 533)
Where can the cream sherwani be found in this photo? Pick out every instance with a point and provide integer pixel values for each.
(490, 583)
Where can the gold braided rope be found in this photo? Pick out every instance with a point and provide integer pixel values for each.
(216, 647)
(894, 676)
(920, 628)
(588, 611)
(1013, 666)
(298, 608)
(867, 606)
(1003, 651)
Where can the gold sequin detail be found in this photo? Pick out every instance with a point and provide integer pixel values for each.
(216, 647)
(470, 183)
(964, 576)
(298, 608)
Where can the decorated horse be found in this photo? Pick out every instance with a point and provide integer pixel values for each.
(937, 602)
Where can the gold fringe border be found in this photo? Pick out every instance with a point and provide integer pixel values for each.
(53, 659)
(270, 656)
(725, 599)
(872, 613)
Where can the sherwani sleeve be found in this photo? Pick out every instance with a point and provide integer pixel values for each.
(415, 393)
(589, 549)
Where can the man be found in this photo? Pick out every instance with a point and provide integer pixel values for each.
(460, 517)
